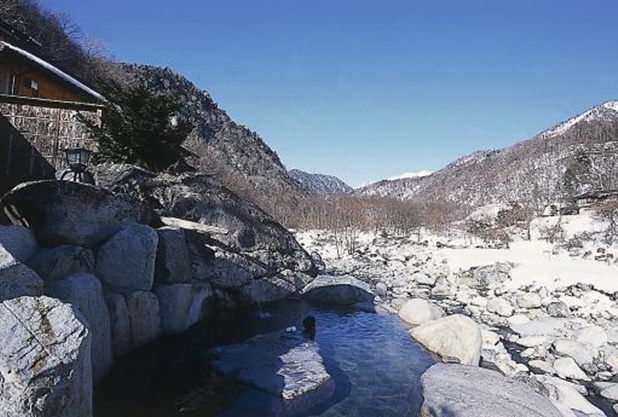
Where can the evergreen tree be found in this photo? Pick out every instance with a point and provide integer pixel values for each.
(140, 127)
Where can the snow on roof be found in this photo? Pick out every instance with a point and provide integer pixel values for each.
(49, 67)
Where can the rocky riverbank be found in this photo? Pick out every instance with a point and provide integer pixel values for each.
(88, 275)
(559, 335)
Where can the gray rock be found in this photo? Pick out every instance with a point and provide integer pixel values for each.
(289, 365)
(318, 262)
(610, 392)
(61, 262)
(173, 264)
(418, 311)
(266, 290)
(71, 213)
(541, 327)
(592, 335)
(486, 276)
(344, 290)
(144, 317)
(182, 305)
(127, 259)
(226, 269)
(422, 278)
(456, 336)
(467, 391)
(45, 367)
(84, 292)
(19, 241)
(120, 324)
(16, 279)
(568, 397)
(558, 309)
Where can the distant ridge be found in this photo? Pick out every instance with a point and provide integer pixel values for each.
(530, 171)
(320, 183)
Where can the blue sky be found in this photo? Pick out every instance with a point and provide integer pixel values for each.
(369, 89)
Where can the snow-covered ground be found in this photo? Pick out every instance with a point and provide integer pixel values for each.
(536, 295)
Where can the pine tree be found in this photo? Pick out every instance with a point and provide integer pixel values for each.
(140, 127)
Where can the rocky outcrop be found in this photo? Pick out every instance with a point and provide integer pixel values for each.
(127, 259)
(45, 365)
(454, 337)
(84, 292)
(451, 390)
(173, 265)
(243, 263)
(81, 215)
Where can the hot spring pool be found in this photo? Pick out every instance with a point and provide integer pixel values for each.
(375, 365)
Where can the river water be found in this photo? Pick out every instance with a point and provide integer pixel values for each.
(375, 365)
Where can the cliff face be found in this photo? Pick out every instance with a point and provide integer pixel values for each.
(320, 183)
(227, 150)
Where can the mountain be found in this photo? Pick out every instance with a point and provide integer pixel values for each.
(320, 183)
(232, 153)
(577, 155)
(417, 174)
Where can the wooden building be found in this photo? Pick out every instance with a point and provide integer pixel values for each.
(41, 108)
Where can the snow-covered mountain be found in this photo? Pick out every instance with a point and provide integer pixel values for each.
(417, 174)
(320, 183)
(532, 170)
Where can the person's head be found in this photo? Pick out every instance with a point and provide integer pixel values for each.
(309, 326)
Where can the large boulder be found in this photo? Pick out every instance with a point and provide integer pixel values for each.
(144, 317)
(127, 259)
(84, 291)
(19, 241)
(344, 290)
(582, 353)
(201, 198)
(16, 279)
(45, 367)
(265, 290)
(173, 264)
(181, 305)
(61, 262)
(418, 311)
(451, 390)
(454, 337)
(71, 213)
(120, 324)
(487, 276)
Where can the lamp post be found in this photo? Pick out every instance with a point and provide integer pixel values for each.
(77, 159)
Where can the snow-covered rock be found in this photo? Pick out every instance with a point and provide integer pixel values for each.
(567, 368)
(418, 311)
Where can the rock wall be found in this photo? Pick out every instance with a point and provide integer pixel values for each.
(129, 277)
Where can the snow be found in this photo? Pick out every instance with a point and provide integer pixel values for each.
(52, 69)
(588, 116)
(418, 174)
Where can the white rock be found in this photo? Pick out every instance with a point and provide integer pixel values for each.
(532, 341)
(381, 289)
(489, 338)
(580, 352)
(542, 365)
(418, 311)
(611, 392)
(569, 398)
(45, 367)
(567, 368)
(529, 300)
(500, 307)
(592, 335)
(127, 259)
(455, 336)
(84, 291)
